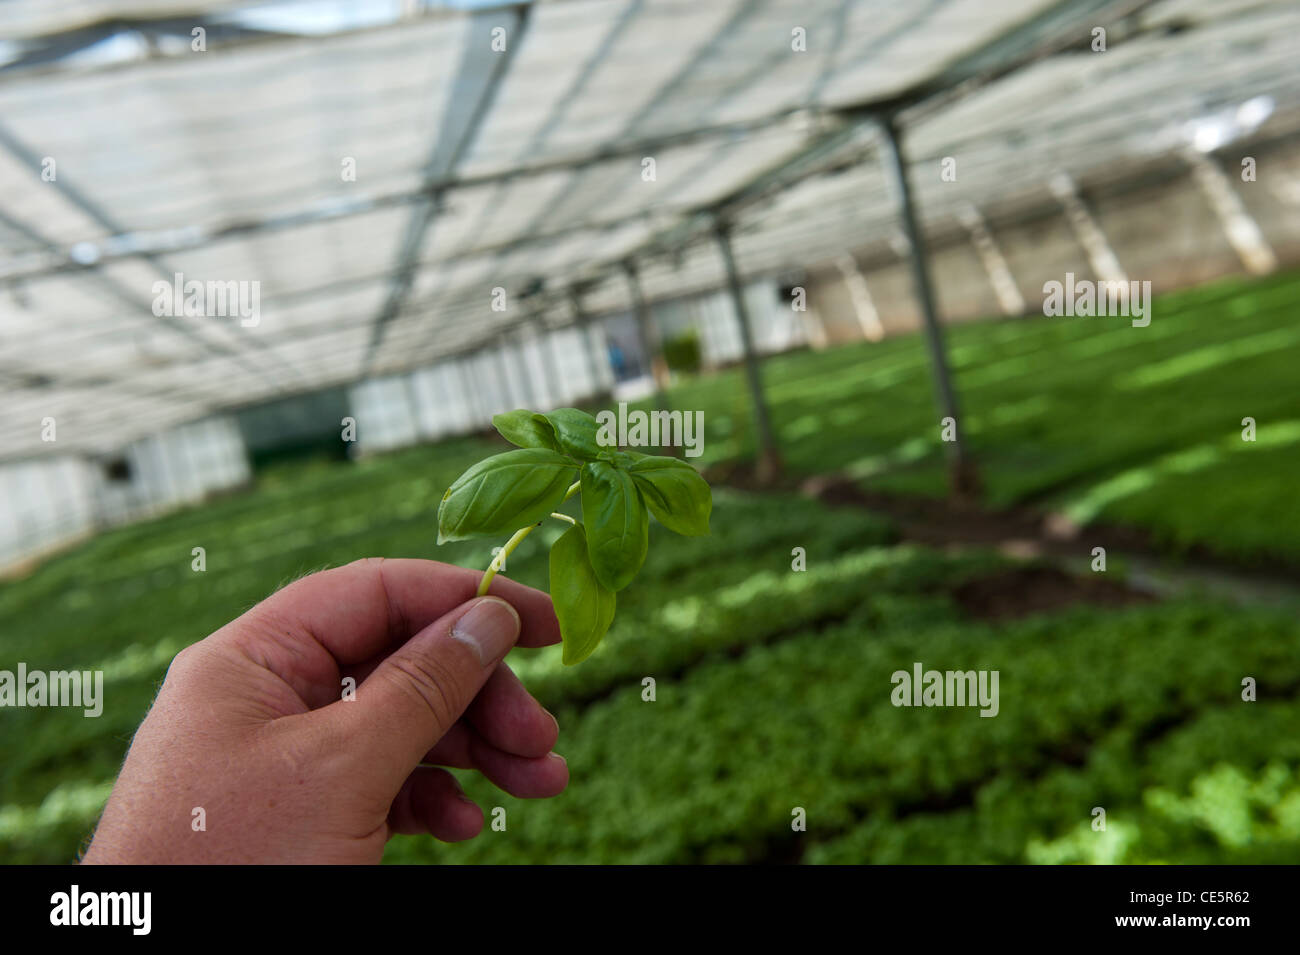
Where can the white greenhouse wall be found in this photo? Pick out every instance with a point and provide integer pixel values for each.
(47, 502)
(42, 504)
(538, 371)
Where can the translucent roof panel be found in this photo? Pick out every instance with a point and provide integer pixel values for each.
(377, 179)
(32, 18)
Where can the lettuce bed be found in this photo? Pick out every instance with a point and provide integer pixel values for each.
(1137, 711)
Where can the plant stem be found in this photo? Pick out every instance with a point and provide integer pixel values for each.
(495, 567)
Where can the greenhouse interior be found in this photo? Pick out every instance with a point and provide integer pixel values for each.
(981, 308)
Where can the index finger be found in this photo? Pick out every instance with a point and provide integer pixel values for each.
(364, 608)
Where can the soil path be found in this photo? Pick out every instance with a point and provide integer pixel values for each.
(1027, 534)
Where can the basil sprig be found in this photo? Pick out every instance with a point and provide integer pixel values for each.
(559, 456)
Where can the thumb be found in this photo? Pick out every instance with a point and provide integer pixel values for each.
(418, 693)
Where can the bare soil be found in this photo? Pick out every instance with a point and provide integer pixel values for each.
(1021, 591)
(1028, 534)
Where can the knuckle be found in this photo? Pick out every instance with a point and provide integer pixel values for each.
(432, 684)
(183, 664)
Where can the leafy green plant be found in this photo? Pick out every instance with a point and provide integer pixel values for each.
(683, 353)
(559, 455)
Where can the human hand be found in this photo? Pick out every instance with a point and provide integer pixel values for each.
(250, 726)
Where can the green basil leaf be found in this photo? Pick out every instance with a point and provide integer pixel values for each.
(618, 525)
(503, 493)
(527, 429)
(583, 605)
(675, 493)
(575, 433)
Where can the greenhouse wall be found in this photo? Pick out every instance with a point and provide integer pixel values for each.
(46, 503)
(1167, 233)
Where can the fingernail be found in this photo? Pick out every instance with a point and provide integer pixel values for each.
(491, 627)
(554, 756)
(553, 720)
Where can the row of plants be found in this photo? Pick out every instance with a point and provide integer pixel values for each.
(1096, 708)
(672, 626)
(1090, 416)
(132, 632)
(1223, 788)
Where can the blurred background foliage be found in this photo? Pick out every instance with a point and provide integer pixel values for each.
(773, 685)
(682, 352)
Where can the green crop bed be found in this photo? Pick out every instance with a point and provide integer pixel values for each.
(1091, 416)
(771, 685)
(1096, 709)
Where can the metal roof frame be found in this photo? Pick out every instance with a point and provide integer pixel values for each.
(429, 299)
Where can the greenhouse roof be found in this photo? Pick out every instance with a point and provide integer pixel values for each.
(505, 147)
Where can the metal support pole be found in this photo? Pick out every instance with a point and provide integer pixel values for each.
(414, 404)
(769, 461)
(503, 377)
(438, 407)
(864, 306)
(469, 388)
(528, 384)
(1086, 229)
(962, 476)
(550, 365)
(1242, 231)
(466, 391)
(641, 311)
(999, 273)
(583, 321)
